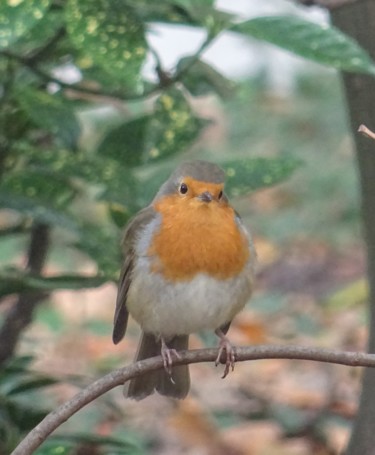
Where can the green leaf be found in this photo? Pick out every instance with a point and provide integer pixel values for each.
(17, 17)
(245, 175)
(127, 444)
(51, 113)
(36, 210)
(36, 38)
(173, 127)
(31, 384)
(109, 35)
(58, 447)
(126, 142)
(14, 281)
(119, 215)
(318, 42)
(194, 13)
(114, 182)
(24, 417)
(201, 79)
(102, 244)
(17, 364)
(42, 185)
(170, 130)
(203, 13)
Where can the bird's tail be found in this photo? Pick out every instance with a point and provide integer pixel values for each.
(177, 385)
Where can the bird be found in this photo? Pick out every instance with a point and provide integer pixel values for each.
(188, 267)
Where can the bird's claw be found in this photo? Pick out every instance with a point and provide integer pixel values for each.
(225, 345)
(167, 354)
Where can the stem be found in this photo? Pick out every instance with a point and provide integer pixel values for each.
(118, 377)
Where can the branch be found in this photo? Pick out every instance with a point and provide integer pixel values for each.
(118, 377)
(165, 80)
(78, 87)
(366, 131)
(20, 314)
(328, 4)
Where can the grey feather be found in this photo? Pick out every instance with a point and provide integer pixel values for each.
(133, 229)
(202, 171)
(177, 385)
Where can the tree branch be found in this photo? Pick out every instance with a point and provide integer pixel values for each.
(366, 131)
(328, 4)
(20, 314)
(165, 80)
(118, 377)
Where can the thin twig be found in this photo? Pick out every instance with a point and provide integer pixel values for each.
(366, 132)
(31, 64)
(53, 420)
(328, 4)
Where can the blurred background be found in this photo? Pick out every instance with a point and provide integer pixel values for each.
(86, 142)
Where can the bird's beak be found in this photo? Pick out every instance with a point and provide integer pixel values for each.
(205, 197)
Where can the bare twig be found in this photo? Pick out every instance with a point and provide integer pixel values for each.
(329, 4)
(165, 80)
(366, 132)
(53, 420)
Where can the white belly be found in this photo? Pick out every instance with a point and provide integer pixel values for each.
(169, 309)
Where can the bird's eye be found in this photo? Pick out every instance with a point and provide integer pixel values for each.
(220, 195)
(183, 188)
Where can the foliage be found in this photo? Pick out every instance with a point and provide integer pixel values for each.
(86, 188)
(46, 167)
(18, 389)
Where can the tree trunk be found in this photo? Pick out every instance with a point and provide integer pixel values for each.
(358, 20)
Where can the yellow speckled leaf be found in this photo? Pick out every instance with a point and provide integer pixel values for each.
(109, 35)
(173, 127)
(17, 17)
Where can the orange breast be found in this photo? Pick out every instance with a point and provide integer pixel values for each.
(196, 237)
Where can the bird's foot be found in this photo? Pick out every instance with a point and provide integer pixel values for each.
(167, 354)
(226, 345)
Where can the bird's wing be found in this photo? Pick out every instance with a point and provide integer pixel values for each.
(140, 220)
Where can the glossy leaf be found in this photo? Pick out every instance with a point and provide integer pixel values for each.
(14, 281)
(202, 79)
(31, 384)
(17, 17)
(318, 42)
(51, 113)
(64, 444)
(36, 210)
(16, 365)
(126, 142)
(102, 244)
(109, 35)
(173, 127)
(245, 175)
(35, 39)
(194, 13)
(41, 185)
(22, 416)
(203, 13)
(164, 11)
(170, 130)
(114, 182)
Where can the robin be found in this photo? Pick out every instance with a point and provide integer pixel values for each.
(188, 267)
